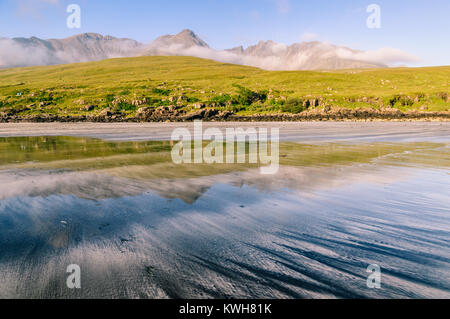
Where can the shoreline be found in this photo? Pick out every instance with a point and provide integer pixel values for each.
(338, 116)
(175, 114)
(305, 132)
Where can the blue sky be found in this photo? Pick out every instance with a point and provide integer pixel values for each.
(419, 27)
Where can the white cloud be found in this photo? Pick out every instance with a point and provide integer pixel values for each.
(283, 6)
(279, 57)
(389, 56)
(271, 62)
(33, 8)
(278, 48)
(13, 54)
(17, 54)
(309, 36)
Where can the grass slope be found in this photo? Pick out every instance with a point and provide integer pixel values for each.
(127, 84)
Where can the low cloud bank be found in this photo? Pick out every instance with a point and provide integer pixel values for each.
(281, 57)
(13, 54)
(26, 52)
(389, 56)
(269, 63)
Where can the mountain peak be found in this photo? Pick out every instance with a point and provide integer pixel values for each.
(188, 32)
(185, 39)
(87, 35)
(189, 38)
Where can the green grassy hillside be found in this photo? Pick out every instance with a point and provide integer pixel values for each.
(125, 85)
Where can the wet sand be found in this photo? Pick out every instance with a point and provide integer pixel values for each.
(141, 227)
(307, 132)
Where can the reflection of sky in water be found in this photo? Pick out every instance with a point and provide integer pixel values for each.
(306, 232)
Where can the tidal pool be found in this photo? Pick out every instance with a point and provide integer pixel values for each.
(140, 226)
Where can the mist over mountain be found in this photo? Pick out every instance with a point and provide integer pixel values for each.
(85, 47)
(267, 55)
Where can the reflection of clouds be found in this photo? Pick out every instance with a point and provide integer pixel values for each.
(82, 185)
(299, 179)
(101, 185)
(245, 239)
(307, 232)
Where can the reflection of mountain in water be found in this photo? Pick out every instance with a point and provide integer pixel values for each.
(142, 227)
(97, 186)
(96, 169)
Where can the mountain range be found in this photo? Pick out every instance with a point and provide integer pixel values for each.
(267, 55)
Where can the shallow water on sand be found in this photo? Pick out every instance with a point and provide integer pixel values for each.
(140, 226)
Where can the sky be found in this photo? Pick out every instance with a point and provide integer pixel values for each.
(418, 27)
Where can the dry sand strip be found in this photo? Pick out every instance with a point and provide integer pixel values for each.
(305, 132)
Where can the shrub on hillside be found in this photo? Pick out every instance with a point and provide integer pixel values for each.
(247, 97)
(293, 105)
(165, 92)
(221, 100)
(109, 98)
(124, 106)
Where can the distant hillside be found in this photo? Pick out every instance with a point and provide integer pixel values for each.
(175, 87)
(267, 55)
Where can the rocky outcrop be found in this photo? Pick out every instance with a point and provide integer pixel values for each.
(345, 114)
(175, 114)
